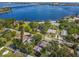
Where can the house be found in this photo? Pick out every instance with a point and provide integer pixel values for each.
(62, 41)
(26, 37)
(51, 31)
(77, 18)
(55, 23)
(70, 18)
(64, 33)
(37, 48)
(15, 23)
(76, 36)
(41, 45)
(16, 52)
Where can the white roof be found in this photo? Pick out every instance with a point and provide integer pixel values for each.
(5, 52)
(64, 32)
(55, 23)
(51, 31)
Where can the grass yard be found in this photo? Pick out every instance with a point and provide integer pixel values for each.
(6, 52)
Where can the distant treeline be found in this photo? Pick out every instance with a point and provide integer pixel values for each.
(47, 3)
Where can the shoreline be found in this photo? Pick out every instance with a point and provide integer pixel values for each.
(5, 10)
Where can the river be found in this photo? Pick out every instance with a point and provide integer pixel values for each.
(36, 12)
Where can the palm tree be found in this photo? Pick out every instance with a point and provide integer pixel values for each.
(21, 28)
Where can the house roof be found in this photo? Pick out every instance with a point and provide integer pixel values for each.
(37, 48)
(43, 44)
(64, 32)
(51, 31)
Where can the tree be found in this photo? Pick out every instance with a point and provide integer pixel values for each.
(37, 38)
(1, 26)
(48, 24)
(56, 50)
(13, 33)
(27, 28)
(62, 52)
(17, 43)
(21, 28)
(43, 28)
(2, 41)
(9, 35)
(73, 30)
(63, 24)
(9, 23)
(29, 47)
(50, 50)
(34, 25)
(53, 27)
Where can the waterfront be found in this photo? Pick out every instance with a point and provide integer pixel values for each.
(36, 12)
(50, 37)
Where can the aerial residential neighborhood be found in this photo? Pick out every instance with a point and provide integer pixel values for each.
(39, 29)
(49, 38)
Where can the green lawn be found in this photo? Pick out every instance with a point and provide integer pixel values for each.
(10, 53)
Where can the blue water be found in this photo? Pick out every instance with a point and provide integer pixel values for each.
(35, 12)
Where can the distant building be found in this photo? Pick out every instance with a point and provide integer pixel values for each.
(64, 33)
(77, 18)
(70, 18)
(55, 23)
(51, 31)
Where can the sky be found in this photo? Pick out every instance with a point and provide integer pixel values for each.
(39, 0)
